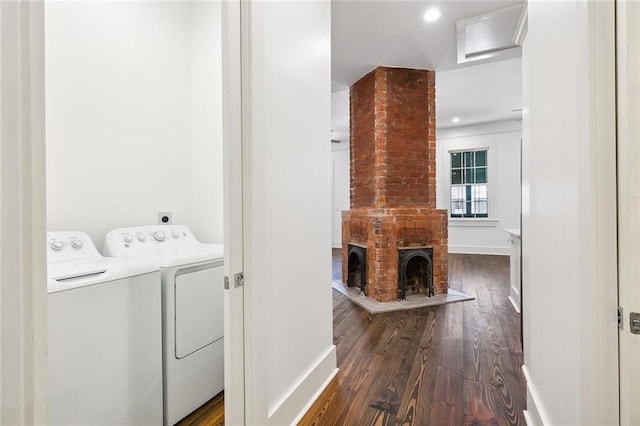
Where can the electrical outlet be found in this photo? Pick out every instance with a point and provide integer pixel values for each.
(164, 218)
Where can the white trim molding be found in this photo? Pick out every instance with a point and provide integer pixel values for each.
(523, 26)
(473, 222)
(459, 249)
(535, 414)
(306, 392)
(23, 277)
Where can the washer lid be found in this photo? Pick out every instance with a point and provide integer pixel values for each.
(67, 275)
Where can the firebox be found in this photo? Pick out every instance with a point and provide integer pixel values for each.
(415, 272)
(357, 267)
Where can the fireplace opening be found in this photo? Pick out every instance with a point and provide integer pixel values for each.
(415, 272)
(357, 267)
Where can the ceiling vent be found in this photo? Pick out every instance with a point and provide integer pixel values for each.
(488, 35)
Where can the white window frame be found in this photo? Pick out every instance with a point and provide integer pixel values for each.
(475, 221)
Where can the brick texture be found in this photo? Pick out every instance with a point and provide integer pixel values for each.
(393, 177)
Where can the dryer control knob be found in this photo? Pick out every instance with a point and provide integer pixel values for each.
(158, 236)
(141, 237)
(57, 245)
(128, 239)
(175, 234)
(76, 243)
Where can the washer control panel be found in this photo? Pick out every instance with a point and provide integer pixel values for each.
(69, 245)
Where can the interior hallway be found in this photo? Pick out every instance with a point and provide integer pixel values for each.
(451, 365)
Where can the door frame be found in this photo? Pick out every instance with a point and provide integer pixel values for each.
(23, 265)
(628, 132)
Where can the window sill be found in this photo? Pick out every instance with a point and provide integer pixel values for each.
(473, 222)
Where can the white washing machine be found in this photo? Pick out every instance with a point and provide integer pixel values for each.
(192, 301)
(105, 336)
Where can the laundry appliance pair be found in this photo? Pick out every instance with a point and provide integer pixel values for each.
(134, 338)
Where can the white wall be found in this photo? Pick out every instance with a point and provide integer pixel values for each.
(568, 232)
(340, 161)
(133, 116)
(503, 142)
(206, 122)
(288, 209)
(341, 188)
(340, 116)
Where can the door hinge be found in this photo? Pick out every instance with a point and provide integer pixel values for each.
(620, 317)
(226, 282)
(238, 280)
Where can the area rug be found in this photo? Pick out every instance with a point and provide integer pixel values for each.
(413, 300)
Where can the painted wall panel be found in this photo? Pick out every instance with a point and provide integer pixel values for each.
(133, 115)
(288, 208)
(568, 233)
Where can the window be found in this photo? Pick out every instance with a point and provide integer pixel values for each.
(469, 184)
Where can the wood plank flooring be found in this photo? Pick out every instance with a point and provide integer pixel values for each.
(457, 364)
(210, 414)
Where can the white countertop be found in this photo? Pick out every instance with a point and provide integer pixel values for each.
(513, 232)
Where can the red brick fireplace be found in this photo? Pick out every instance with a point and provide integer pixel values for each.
(394, 240)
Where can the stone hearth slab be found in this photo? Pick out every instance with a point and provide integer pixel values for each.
(413, 301)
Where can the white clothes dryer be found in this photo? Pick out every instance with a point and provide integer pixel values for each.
(105, 336)
(192, 299)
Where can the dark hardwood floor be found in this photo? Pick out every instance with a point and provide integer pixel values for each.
(456, 364)
(451, 365)
(210, 414)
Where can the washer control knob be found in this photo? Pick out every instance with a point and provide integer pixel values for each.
(128, 239)
(76, 243)
(57, 245)
(175, 234)
(141, 236)
(158, 236)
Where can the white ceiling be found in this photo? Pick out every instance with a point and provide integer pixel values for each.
(367, 33)
(479, 94)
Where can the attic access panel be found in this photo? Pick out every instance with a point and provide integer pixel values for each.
(488, 35)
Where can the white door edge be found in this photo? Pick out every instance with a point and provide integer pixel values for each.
(234, 356)
(628, 134)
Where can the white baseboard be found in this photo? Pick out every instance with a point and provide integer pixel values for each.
(337, 244)
(534, 414)
(514, 298)
(501, 251)
(294, 406)
(516, 305)
(527, 418)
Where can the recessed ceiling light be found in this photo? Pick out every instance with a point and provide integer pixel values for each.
(455, 120)
(432, 15)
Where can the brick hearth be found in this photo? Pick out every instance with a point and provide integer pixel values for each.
(393, 177)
